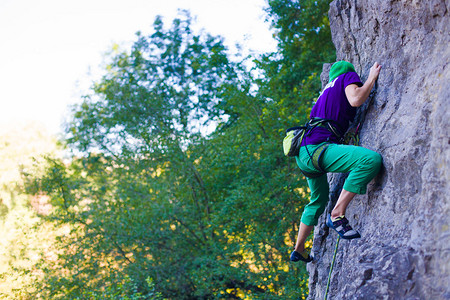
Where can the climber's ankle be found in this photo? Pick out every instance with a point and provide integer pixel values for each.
(299, 248)
(335, 213)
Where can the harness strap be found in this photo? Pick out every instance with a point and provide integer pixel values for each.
(311, 175)
(315, 158)
(317, 155)
(327, 124)
(297, 134)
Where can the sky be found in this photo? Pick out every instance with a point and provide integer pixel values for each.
(51, 50)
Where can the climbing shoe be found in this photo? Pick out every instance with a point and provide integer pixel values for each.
(340, 224)
(304, 256)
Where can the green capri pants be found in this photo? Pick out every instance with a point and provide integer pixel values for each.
(362, 165)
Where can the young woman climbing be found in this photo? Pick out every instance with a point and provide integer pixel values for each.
(336, 105)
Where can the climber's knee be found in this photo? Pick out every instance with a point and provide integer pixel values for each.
(311, 213)
(368, 167)
(375, 161)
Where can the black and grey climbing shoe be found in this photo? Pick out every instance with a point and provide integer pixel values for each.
(305, 257)
(343, 228)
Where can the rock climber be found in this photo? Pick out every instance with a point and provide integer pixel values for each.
(337, 104)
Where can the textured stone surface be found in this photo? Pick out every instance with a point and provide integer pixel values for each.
(404, 252)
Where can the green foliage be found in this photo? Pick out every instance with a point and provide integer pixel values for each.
(24, 237)
(178, 172)
(292, 74)
(128, 290)
(157, 97)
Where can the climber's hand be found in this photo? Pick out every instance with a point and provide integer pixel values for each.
(358, 95)
(374, 72)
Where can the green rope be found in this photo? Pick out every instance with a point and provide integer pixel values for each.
(332, 265)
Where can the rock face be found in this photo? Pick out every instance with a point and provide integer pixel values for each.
(404, 252)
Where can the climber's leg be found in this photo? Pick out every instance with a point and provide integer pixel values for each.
(342, 203)
(363, 165)
(337, 220)
(303, 234)
(318, 201)
(299, 252)
(318, 187)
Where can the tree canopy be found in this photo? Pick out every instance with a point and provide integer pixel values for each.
(177, 186)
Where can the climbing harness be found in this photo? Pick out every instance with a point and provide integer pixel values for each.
(332, 265)
(294, 137)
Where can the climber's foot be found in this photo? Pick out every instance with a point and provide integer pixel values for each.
(304, 256)
(340, 224)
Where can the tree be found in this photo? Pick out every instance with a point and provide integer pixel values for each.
(304, 45)
(179, 174)
(137, 200)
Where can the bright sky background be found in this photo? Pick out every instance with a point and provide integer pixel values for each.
(48, 48)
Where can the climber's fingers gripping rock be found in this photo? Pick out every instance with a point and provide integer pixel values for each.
(374, 71)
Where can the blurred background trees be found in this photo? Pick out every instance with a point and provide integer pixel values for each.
(23, 236)
(176, 186)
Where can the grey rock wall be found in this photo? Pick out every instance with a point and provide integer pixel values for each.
(404, 252)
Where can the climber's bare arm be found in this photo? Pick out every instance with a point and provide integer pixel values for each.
(358, 95)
